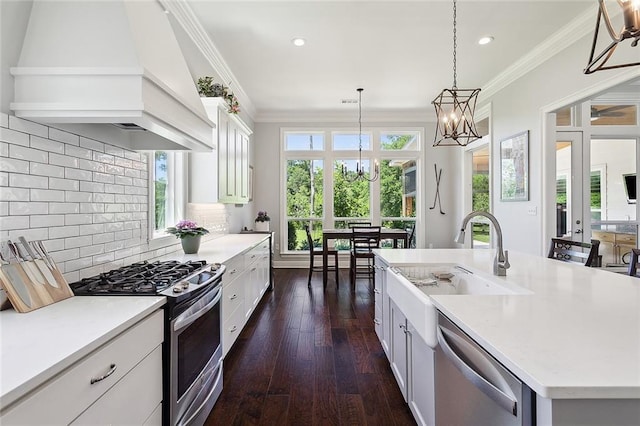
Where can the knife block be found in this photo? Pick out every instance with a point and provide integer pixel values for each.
(27, 294)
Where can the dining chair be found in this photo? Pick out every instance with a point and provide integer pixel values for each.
(363, 241)
(351, 225)
(574, 251)
(633, 264)
(317, 251)
(411, 231)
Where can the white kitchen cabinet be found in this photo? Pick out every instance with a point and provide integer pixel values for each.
(398, 346)
(230, 182)
(381, 321)
(243, 285)
(412, 363)
(130, 365)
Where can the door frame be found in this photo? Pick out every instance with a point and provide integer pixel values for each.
(548, 120)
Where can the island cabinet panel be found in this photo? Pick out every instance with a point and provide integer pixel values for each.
(587, 412)
(381, 317)
(122, 369)
(412, 363)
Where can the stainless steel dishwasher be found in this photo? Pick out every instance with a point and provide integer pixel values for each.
(474, 389)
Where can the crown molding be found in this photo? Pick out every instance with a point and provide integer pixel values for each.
(554, 44)
(184, 15)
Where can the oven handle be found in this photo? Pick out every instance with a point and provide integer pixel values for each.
(198, 309)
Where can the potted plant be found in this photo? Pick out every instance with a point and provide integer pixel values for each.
(262, 221)
(208, 89)
(189, 233)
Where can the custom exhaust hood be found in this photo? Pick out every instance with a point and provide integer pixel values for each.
(111, 70)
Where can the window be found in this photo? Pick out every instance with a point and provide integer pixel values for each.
(166, 191)
(318, 195)
(480, 187)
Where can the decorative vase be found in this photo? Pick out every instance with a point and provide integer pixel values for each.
(190, 245)
(262, 226)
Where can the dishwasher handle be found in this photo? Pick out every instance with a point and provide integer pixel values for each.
(507, 402)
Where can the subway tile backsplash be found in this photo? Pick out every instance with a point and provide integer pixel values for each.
(87, 200)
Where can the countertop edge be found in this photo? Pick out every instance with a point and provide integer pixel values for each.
(18, 392)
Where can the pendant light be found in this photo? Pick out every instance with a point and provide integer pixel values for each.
(455, 108)
(630, 30)
(360, 172)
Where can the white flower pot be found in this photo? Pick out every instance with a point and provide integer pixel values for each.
(262, 226)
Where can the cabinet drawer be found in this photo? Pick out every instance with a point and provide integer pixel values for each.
(143, 385)
(231, 329)
(628, 239)
(605, 237)
(234, 267)
(68, 394)
(232, 297)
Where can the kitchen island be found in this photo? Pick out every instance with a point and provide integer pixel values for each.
(575, 340)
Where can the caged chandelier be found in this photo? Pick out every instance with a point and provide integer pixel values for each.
(360, 171)
(630, 30)
(455, 108)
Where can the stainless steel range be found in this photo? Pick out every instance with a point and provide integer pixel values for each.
(192, 348)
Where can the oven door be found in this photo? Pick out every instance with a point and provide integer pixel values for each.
(196, 359)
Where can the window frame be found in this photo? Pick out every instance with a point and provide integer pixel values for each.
(177, 190)
(330, 156)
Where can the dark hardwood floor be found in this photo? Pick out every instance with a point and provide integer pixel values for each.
(308, 357)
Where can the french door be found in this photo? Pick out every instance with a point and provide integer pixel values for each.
(572, 192)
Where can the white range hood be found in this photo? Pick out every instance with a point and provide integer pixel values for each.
(112, 69)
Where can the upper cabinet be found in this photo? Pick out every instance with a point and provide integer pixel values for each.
(231, 184)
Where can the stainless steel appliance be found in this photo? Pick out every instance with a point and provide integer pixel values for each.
(472, 388)
(192, 348)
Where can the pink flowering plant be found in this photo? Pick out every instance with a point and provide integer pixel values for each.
(187, 228)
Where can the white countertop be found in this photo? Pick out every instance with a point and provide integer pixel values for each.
(576, 336)
(221, 249)
(37, 345)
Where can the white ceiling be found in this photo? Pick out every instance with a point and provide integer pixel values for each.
(400, 52)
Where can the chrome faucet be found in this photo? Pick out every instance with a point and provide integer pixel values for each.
(501, 261)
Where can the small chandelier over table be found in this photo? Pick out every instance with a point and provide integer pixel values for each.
(630, 30)
(360, 172)
(455, 108)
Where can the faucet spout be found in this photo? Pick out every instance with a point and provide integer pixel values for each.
(501, 261)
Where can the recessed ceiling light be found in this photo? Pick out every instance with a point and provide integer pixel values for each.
(298, 41)
(485, 40)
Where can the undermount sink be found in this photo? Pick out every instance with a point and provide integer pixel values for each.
(409, 285)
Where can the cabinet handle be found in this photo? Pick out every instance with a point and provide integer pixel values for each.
(253, 269)
(235, 296)
(404, 328)
(253, 256)
(112, 369)
(377, 321)
(232, 329)
(375, 290)
(233, 272)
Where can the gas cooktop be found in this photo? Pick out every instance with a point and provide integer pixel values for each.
(143, 278)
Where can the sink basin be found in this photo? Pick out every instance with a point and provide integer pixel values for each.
(410, 287)
(451, 279)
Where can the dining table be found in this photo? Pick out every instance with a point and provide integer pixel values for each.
(396, 235)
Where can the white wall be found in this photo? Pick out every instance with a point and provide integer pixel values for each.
(438, 230)
(518, 107)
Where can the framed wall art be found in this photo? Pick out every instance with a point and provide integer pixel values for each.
(514, 167)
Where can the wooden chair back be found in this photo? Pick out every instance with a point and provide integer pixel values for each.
(352, 225)
(364, 239)
(574, 251)
(633, 264)
(309, 238)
